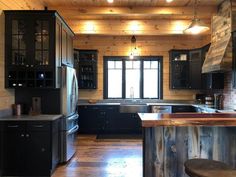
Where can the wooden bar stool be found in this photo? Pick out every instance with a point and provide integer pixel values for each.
(208, 168)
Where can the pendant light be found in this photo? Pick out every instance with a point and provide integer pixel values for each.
(196, 26)
(134, 51)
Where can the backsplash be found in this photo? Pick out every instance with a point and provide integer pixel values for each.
(229, 92)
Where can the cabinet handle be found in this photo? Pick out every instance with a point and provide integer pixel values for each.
(13, 126)
(31, 66)
(27, 135)
(14, 84)
(20, 85)
(43, 149)
(22, 135)
(38, 126)
(27, 66)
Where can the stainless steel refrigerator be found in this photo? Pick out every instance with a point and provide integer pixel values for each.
(69, 101)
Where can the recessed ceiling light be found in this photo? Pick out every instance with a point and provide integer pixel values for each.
(169, 1)
(110, 1)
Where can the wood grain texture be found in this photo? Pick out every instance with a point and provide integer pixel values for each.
(188, 119)
(195, 144)
(148, 46)
(219, 56)
(103, 158)
(6, 96)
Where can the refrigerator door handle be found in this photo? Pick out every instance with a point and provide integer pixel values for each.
(73, 130)
(74, 117)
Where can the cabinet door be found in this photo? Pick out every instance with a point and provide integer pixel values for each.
(70, 55)
(38, 153)
(64, 44)
(195, 69)
(179, 75)
(234, 60)
(1, 148)
(89, 119)
(14, 152)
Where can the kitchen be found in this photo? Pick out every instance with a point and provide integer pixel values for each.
(110, 32)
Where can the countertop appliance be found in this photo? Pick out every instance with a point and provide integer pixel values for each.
(69, 101)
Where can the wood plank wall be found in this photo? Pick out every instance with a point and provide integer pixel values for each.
(7, 95)
(148, 46)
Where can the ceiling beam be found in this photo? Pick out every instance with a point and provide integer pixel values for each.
(106, 12)
(130, 27)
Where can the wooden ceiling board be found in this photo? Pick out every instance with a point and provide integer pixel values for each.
(20, 4)
(128, 3)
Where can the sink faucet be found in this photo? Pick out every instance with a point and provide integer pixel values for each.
(131, 92)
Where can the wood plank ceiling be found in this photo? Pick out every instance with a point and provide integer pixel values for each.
(125, 17)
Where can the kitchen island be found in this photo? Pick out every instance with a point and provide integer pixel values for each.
(170, 139)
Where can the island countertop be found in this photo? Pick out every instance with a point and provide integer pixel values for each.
(187, 119)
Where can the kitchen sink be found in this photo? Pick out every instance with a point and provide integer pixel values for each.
(133, 108)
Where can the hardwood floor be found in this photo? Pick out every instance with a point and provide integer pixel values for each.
(104, 158)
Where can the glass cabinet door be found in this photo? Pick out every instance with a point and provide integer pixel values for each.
(18, 35)
(41, 42)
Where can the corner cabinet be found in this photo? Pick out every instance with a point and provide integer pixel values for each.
(86, 68)
(35, 47)
(186, 70)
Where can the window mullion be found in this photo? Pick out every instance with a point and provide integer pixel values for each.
(123, 78)
(141, 79)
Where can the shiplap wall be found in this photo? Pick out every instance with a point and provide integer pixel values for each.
(7, 95)
(148, 46)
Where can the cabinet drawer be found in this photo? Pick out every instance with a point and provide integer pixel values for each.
(38, 126)
(13, 126)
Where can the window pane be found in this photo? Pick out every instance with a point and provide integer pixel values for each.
(118, 64)
(132, 80)
(111, 64)
(114, 83)
(128, 64)
(154, 64)
(150, 83)
(146, 64)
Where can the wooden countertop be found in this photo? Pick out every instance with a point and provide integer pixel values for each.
(187, 119)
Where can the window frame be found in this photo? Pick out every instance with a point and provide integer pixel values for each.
(125, 58)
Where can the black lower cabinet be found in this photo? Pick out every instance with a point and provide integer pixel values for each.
(1, 148)
(28, 148)
(96, 119)
(183, 108)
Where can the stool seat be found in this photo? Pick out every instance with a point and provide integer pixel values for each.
(208, 168)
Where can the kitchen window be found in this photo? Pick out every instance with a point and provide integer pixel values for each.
(139, 78)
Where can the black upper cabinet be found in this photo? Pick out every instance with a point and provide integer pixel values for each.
(34, 48)
(195, 69)
(179, 69)
(234, 59)
(87, 68)
(186, 72)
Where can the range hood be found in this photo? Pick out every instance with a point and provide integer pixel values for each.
(219, 56)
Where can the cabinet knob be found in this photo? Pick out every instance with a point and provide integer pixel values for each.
(27, 135)
(20, 85)
(22, 135)
(43, 149)
(14, 84)
(27, 66)
(31, 66)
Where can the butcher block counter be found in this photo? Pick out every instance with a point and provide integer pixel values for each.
(171, 139)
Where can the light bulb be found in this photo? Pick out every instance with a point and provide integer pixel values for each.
(110, 1)
(131, 56)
